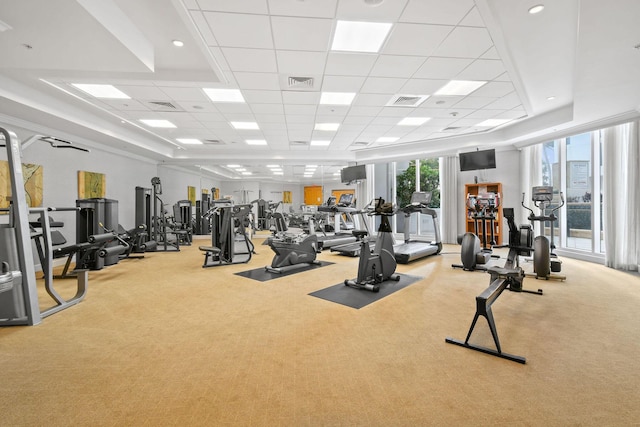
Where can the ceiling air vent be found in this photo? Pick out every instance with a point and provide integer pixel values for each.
(300, 82)
(298, 143)
(212, 142)
(360, 144)
(163, 106)
(406, 100)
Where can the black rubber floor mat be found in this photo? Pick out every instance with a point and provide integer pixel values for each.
(262, 275)
(358, 298)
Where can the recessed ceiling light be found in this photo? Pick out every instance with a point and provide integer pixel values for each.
(224, 95)
(387, 139)
(240, 169)
(247, 173)
(255, 141)
(233, 166)
(178, 43)
(320, 143)
(413, 121)
(158, 123)
(551, 98)
(493, 122)
(311, 166)
(278, 173)
(536, 9)
(354, 36)
(102, 91)
(459, 87)
(245, 125)
(326, 126)
(337, 98)
(189, 141)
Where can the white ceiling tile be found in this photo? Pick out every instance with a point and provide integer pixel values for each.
(239, 117)
(442, 68)
(264, 81)
(440, 101)
(300, 63)
(310, 9)
(492, 53)
(144, 92)
(125, 105)
(262, 96)
(256, 60)
(185, 94)
(396, 66)
(370, 99)
(494, 89)
(422, 86)
(358, 10)
(233, 107)
(357, 120)
(332, 111)
(299, 109)
(357, 110)
(474, 102)
(256, 30)
(299, 97)
(403, 37)
(513, 114)
(207, 117)
(436, 11)
(301, 33)
(484, 114)
(473, 19)
(382, 85)
(197, 107)
(465, 42)
(342, 83)
(507, 102)
(271, 121)
(482, 69)
(394, 112)
(267, 109)
(203, 27)
(244, 6)
(349, 64)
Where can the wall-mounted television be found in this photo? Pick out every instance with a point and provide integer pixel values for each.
(474, 160)
(353, 173)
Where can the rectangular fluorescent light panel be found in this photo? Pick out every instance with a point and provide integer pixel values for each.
(273, 166)
(224, 95)
(459, 87)
(493, 122)
(255, 141)
(278, 173)
(102, 91)
(246, 173)
(319, 143)
(326, 126)
(191, 141)
(413, 121)
(233, 166)
(158, 123)
(245, 125)
(336, 98)
(387, 139)
(353, 36)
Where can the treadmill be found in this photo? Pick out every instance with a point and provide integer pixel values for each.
(352, 249)
(412, 250)
(342, 207)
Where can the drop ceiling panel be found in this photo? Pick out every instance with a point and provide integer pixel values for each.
(256, 30)
(293, 97)
(272, 121)
(366, 111)
(482, 69)
(301, 33)
(386, 11)
(437, 11)
(255, 60)
(261, 81)
(196, 107)
(267, 109)
(422, 86)
(465, 42)
(300, 63)
(382, 85)
(442, 68)
(474, 102)
(402, 40)
(309, 9)
(144, 92)
(396, 66)
(244, 6)
(298, 109)
(227, 108)
(334, 111)
(262, 96)
(342, 83)
(184, 94)
(349, 64)
(494, 89)
(472, 19)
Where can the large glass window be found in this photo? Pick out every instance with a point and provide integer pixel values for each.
(579, 192)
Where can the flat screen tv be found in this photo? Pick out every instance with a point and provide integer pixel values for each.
(353, 173)
(474, 160)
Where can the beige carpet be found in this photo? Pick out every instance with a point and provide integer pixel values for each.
(161, 341)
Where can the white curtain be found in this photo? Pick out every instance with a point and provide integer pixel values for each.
(449, 199)
(530, 176)
(621, 170)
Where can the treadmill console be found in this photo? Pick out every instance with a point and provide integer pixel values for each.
(345, 199)
(421, 198)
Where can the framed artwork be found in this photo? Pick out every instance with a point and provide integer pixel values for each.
(287, 197)
(191, 194)
(91, 185)
(32, 175)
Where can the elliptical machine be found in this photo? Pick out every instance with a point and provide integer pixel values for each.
(377, 266)
(474, 252)
(545, 261)
(291, 251)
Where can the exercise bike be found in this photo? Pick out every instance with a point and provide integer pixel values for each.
(377, 266)
(476, 251)
(291, 252)
(545, 261)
